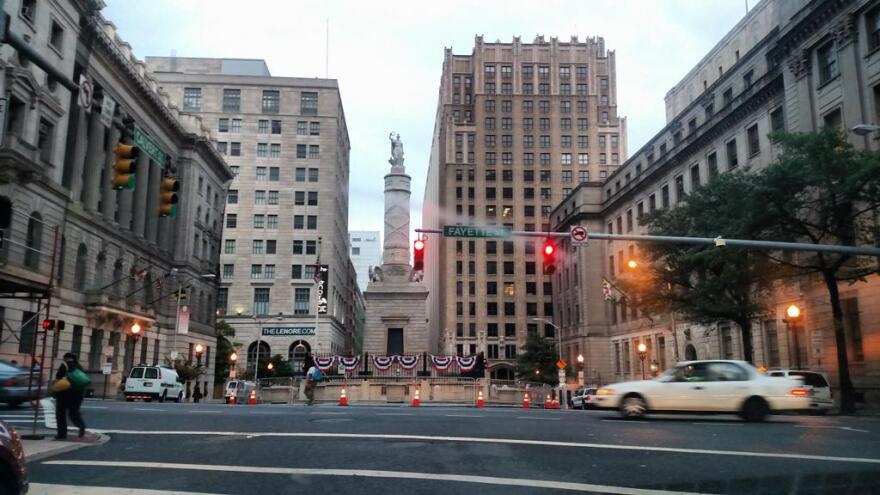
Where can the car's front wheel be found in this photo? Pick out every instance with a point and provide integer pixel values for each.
(633, 406)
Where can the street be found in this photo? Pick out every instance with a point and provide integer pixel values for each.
(213, 448)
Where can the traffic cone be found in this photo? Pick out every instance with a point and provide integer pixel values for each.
(555, 404)
(525, 404)
(547, 403)
(415, 399)
(480, 399)
(252, 400)
(343, 399)
(230, 400)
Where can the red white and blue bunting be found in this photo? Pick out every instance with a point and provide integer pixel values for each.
(383, 363)
(466, 363)
(325, 363)
(349, 363)
(408, 362)
(441, 363)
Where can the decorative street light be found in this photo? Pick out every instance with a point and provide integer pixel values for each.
(632, 264)
(793, 314)
(233, 358)
(200, 349)
(580, 360)
(643, 353)
(655, 368)
(270, 366)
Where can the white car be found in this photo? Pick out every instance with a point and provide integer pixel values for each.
(707, 387)
(583, 398)
(153, 382)
(821, 400)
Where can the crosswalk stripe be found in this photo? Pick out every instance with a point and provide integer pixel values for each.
(369, 473)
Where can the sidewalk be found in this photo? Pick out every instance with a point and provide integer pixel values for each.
(37, 450)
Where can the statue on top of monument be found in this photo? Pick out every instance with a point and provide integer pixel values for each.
(396, 159)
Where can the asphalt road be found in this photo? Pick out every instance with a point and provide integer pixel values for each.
(381, 450)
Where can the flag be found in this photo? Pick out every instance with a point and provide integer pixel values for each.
(607, 291)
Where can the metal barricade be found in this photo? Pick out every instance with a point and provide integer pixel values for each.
(279, 390)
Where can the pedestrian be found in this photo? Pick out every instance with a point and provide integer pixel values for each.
(312, 374)
(197, 393)
(69, 396)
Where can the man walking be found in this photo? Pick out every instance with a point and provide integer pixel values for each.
(69, 400)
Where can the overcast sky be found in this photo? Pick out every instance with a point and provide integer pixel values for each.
(388, 56)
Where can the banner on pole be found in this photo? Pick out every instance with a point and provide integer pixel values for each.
(183, 320)
(321, 278)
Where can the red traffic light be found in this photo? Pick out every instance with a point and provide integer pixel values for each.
(549, 249)
(419, 245)
(549, 257)
(47, 324)
(419, 255)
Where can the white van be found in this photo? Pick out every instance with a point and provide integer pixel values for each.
(239, 389)
(153, 382)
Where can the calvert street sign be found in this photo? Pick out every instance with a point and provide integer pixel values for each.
(145, 143)
(475, 231)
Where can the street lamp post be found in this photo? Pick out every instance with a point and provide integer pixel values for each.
(558, 332)
(233, 358)
(580, 360)
(200, 349)
(793, 318)
(643, 353)
(176, 276)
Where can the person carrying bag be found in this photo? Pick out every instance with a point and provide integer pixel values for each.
(69, 390)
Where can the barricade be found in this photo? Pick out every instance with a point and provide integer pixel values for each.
(279, 390)
(399, 389)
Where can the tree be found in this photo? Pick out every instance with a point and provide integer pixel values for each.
(823, 191)
(705, 283)
(539, 354)
(225, 348)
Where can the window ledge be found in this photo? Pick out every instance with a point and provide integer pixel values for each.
(826, 83)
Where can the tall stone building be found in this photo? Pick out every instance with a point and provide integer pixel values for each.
(287, 143)
(788, 64)
(518, 126)
(116, 261)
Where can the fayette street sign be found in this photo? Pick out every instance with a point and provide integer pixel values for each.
(475, 231)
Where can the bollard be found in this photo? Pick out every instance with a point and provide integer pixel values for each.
(343, 399)
(480, 399)
(415, 399)
(525, 403)
(252, 400)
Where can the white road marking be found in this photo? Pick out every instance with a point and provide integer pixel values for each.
(151, 409)
(846, 428)
(464, 416)
(52, 489)
(94, 407)
(205, 412)
(710, 423)
(505, 441)
(537, 417)
(330, 413)
(22, 420)
(624, 421)
(369, 473)
(395, 414)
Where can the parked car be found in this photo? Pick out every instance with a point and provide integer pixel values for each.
(14, 384)
(13, 472)
(821, 400)
(583, 398)
(153, 382)
(707, 387)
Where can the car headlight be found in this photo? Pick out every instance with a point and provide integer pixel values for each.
(605, 391)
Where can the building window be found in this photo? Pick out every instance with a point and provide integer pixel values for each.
(45, 140)
(489, 106)
(234, 149)
(732, 160)
(695, 176)
(664, 196)
(236, 125)
(314, 151)
(231, 100)
(271, 101)
(192, 99)
(753, 140)
(263, 127)
(827, 57)
(679, 188)
(872, 27)
(777, 119)
(833, 119)
(223, 125)
(262, 150)
(273, 197)
(301, 303)
(274, 150)
(259, 221)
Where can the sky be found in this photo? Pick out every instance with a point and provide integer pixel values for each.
(387, 57)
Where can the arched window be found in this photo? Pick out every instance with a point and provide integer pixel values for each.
(690, 353)
(79, 274)
(100, 266)
(34, 241)
(296, 354)
(265, 353)
(117, 275)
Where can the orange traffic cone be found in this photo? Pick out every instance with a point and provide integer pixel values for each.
(415, 399)
(525, 404)
(547, 403)
(252, 400)
(230, 400)
(343, 399)
(480, 398)
(555, 404)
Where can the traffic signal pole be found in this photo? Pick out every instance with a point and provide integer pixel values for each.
(716, 241)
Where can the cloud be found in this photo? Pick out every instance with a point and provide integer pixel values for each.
(388, 57)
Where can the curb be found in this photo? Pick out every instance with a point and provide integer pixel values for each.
(102, 439)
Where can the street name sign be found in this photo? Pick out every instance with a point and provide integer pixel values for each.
(475, 231)
(145, 143)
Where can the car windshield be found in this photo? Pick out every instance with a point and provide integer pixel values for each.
(9, 369)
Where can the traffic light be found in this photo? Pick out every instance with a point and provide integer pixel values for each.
(168, 197)
(549, 253)
(419, 255)
(125, 166)
(53, 324)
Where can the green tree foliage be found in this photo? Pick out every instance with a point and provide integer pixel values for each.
(703, 283)
(539, 354)
(823, 191)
